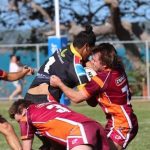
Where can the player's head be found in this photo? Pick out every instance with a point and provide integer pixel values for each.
(17, 107)
(105, 56)
(85, 41)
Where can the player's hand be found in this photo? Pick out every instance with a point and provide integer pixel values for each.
(28, 70)
(89, 64)
(55, 81)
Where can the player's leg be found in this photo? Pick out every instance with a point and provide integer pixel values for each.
(7, 130)
(120, 140)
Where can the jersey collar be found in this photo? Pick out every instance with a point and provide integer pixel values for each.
(73, 50)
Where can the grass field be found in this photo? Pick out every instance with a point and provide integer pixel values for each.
(141, 108)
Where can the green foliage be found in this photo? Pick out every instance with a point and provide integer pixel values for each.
(136, 82)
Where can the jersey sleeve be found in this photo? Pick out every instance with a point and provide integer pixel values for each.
(27, 131)
(93, 87)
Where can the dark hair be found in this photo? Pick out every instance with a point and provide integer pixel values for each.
(12, 55)
(18, 58)
(85, 37)
(109, 56)
(18, 106)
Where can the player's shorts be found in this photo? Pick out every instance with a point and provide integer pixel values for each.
(92, 134)
(37, 99)
(2, 120)
(123, 136)
(73, 133)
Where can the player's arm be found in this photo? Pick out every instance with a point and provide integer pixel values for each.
(27, 144)
(74, 95)
(18, 75)
(92, 102)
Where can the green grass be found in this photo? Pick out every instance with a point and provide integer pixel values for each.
(141, 108)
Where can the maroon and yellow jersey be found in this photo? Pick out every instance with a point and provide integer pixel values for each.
(61, 124)
(48, 118)
(2, 74)
(113, 95)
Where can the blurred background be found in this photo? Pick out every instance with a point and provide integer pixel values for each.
(26, 25)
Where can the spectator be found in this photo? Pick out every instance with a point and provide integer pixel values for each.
(15, 67)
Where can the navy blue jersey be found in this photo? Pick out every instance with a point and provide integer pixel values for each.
(66, 64)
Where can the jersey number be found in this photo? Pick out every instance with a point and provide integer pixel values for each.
(59, 108)
(49, 63)
(126, 90)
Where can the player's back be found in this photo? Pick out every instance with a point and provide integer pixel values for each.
(52, 110)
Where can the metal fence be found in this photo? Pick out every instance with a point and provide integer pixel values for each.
(34, 55)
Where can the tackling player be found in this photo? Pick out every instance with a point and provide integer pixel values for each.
(111, 90)
(5, 127)
(58, 123)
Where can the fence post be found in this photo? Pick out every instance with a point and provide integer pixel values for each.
(147, 69)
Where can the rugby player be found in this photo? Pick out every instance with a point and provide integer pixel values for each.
(58, 123)
(66, 63)
(110, 89)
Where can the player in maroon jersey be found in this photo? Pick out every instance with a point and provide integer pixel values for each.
(5, 127)
(111, 90)
(57, 123)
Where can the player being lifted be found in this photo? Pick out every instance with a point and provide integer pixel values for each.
(67, 64)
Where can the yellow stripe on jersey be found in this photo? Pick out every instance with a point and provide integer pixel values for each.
(81, 86)
(74, 51)
(98, 81)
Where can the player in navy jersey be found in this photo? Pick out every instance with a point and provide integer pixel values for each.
(110, 89)
(58, 123)
(66, 63)
(5, 127)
